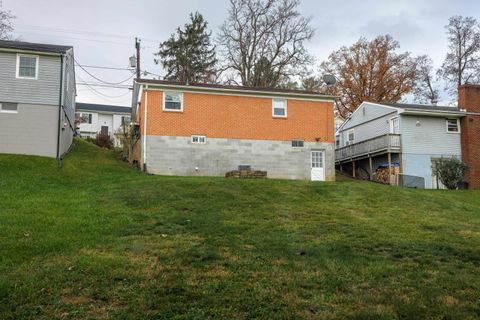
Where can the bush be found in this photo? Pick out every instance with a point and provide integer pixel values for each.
(104, 141)
(450, 171)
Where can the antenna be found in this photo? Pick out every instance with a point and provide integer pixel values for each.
(329, 79)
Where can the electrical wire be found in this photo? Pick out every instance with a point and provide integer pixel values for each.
(108, 68)
(103, 81)
(100, 94)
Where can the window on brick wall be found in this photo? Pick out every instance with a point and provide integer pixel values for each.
(173, 101)
(279, 108)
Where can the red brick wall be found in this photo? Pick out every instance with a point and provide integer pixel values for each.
(469, 99)
(239, 117)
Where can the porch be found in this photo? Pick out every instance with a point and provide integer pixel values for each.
(363, 157)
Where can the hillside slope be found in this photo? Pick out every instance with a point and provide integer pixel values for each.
(97, 239)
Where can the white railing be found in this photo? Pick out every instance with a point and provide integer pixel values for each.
(387, 142)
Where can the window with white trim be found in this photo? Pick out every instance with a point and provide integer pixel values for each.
(297, 143)
(350, 137)
(8, 107)
(172, 101)
(453, 125)
(27, 66)
(83, 117)
(279, 108)
(199, 139)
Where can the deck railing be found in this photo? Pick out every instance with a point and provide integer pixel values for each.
(388, 143)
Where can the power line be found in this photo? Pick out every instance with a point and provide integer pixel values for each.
(83, 32)
(108, 68)
(103, 81)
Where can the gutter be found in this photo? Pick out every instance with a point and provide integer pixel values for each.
(433, 113)
(42, 53)
(60, 100)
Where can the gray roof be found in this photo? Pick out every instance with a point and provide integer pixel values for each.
(28, 46)
(423, 107)
(102, 107)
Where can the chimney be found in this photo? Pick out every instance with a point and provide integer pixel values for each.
(469, 99)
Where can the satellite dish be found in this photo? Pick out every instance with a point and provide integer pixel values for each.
(329, 79)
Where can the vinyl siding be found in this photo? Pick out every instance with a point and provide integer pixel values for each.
(44, 90)
(69, 89)
(32, 131)
(372, 124)
(430, 138)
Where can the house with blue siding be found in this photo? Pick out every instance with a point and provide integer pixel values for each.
(37, 98)
(404, 139)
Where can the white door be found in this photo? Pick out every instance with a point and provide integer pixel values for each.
(318, 167)
(394, 126)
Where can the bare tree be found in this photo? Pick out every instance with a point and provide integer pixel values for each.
(425, 90)
(6, 26)
(263, 41)
(370, 71)
(462, 63)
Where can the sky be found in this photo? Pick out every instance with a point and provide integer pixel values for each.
(103, 31)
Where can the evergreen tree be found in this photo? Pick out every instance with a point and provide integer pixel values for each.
(189, 56)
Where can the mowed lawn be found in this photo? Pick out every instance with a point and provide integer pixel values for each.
(97, 239)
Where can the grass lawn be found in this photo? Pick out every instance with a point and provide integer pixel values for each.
(97, 239)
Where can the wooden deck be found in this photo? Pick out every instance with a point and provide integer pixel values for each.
(388, 143)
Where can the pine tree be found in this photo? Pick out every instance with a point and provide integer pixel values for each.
(189, 56)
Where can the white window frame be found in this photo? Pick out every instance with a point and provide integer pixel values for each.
(8, 111)
(37, 58)
(199, 137)
(181, 101)
(458, 125)
(390, 121)
(285, 101)
(348, 137)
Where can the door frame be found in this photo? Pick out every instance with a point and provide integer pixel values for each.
(322, 151)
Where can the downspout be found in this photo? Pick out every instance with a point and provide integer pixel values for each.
(60, 100)
(145, 130)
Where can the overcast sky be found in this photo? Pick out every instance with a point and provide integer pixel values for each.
(103, 31)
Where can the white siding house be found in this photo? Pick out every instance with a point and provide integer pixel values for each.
(37, 98)
(93, 119)
(406, 136)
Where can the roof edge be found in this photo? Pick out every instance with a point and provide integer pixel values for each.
(235, 89)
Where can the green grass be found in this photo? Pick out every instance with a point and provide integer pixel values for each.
(97, 239)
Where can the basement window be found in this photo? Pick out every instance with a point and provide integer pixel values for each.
(297, 143)
(8, 107)
(172, 101)
(453, 126)
(199, 139)
(279, 108)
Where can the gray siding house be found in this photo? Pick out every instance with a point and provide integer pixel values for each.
(37, 98)
(406, 139)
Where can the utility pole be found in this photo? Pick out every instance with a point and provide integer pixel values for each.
(137, 47)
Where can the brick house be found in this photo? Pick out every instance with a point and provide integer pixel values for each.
(209, 130)
(469, 99)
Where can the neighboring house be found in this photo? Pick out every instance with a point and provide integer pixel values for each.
(405, 138)
(99, 118)
(209, 130)
(37, 98)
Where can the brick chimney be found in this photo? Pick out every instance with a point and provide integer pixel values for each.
(469, 99)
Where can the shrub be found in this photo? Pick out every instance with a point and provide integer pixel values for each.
(450, 171)
(104, 141)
